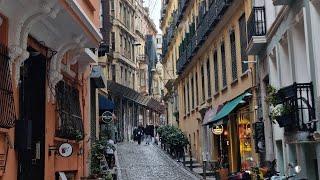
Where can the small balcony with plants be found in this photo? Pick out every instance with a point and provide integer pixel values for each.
(292, 107)
(256, 27)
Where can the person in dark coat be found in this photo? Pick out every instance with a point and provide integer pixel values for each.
(140, 133)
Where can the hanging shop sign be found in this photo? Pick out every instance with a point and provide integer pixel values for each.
(107, 117)
(217, 130)
(65, 149)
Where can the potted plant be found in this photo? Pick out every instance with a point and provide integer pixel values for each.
(283, 114)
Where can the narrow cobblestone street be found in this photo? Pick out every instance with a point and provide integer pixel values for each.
(146, 162)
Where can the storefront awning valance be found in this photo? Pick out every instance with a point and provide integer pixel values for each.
(98, 77)
(228, 108)
(105, 103)
(126, 92)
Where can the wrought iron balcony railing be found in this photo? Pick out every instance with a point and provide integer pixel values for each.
(256, 24)
(299, 107)
(7, 110)
(209, 20)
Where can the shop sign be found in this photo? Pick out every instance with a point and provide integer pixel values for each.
(65, 149)
(217, 130)
(106, 117)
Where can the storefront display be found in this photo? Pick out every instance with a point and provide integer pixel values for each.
(245, 140)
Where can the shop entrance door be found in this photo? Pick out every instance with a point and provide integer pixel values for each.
(32, 118)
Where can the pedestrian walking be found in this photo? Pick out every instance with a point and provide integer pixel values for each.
(149, 133)
(140, 133)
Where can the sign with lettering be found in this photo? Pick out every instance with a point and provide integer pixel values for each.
(217, 130)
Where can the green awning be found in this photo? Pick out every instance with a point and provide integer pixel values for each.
(228, 108)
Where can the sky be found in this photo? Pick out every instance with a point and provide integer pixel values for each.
(154, 8)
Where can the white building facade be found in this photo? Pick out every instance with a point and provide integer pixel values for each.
(283, 36)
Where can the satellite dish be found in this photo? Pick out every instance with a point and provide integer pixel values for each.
(106, 117)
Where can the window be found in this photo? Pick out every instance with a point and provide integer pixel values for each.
(125, 75)
(120, 42)
(209, 78)
(121, 74)
(142, 77)
(197, 94)
(113, 72)
(233, 55)
(216, 73)
(113, 40)
(243, 42)
(69, 112)
(188, 94)
(223, 64)
(185, 99)
(7, 109)
(202, 84)
(192, 91)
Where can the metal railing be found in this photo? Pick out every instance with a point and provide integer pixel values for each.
(256, 24)
(7, 110)
(298, 100)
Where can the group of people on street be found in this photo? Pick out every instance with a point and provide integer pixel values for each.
(140, 132)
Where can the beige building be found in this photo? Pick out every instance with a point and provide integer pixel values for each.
(126, 24)
(204, 43)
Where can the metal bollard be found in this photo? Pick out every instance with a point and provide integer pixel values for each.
(204, 169)
(191, 161)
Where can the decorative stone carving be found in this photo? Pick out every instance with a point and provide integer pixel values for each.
(18, 52)
(24, 55)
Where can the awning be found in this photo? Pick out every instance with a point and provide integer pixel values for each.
(105, 103)
(98, 77)
(131, 94)
(209, 115)
(228, 108)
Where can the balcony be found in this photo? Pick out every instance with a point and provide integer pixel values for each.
(208, 21)
(256, 27)
(299, 111)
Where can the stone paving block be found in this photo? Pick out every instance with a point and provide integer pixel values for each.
(144, 162)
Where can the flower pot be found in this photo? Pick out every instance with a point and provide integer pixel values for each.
(285, 120)
(223, 173)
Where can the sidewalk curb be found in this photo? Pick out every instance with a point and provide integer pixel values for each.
(187, 171)
(118, 169)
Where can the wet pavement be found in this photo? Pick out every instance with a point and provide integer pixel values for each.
(147, 162)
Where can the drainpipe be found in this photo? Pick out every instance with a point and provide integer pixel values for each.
(312, 64)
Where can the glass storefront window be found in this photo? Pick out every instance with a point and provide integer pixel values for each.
(245, 134)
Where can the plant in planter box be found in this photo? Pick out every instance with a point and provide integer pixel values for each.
(283, 114)
(272, 97)
(97, 154)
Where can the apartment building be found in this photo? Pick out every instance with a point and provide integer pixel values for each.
(45, 77)
(126, 24)
(285, 42)
(204, 43)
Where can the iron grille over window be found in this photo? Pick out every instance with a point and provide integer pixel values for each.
(7, 111)
(223, 64)
(233, 55)
(70, 124)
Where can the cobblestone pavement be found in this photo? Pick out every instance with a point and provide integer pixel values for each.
(146, 162)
